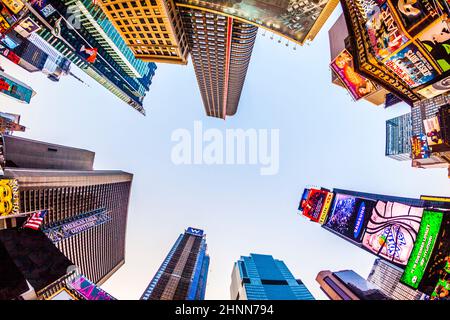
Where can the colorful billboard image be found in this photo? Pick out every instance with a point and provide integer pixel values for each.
(415, 15)
(15, 89)
(411, 66)
(436, 41)
(435, 89)
(357, 85)
(296, 20)
(9, 197)
(14, 5)
(349, 216)
(428, 268)
(419, 147)
(392, 230)
(89, 290)
(384, 32)
(316, 204)
(433, 131)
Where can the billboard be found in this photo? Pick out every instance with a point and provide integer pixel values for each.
(195, 232)
(435, 40)
(419, 147)
(295, 20)
(411, 66)
(85, 222)
(9, 197)
(428, 268)
(349, 216)
(392, 230)
(88, 290)
(315, 204)
(357, 85)
(433, 131)
(14, 88)
(14, 5)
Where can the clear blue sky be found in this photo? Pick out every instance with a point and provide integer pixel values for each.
(325, 139)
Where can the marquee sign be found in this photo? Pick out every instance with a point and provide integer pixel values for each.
(72, 227)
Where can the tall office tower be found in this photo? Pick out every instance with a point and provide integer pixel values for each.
(348, 285)
(338, 38)
(152, 29)
(81, 32)
(261, 277)
(398, 137)
(386, 277)
(87, 209)
(221, 48)
(184, 272)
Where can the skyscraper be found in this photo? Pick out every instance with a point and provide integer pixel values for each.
(386, 277)
(221, 48)
(183, 274)
(79, 31)
(398, 137)
(348, 285)
(87, 209)
(261, 277)
(152, 29)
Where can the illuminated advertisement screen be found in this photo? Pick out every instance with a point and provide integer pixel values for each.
(357, 85)
(392, 230)
(315, 204)
(349, 216)
(14, 89)
(419, 147)
(415, 15)
(89, 290)
(433, 131)
(411, 66)
(9, 197)
(293, 19)
(384, 32)
(428, 268)
(435, 40)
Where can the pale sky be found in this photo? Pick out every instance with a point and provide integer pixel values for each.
(326, 140)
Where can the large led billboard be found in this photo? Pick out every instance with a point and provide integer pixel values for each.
(15, 89)
(9, 197)
(296, 20)
(428, 268)
(349, 216)
(88, 290)
(315, 204)
(392, 230)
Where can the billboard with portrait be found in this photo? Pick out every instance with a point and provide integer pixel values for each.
(435, 40)
(419, 147)
(357, 85)
(315, 204)
(293, 19)
(410, 65)
(433, 131)
(392, 230)
(428, 268)
(349, 216)
(9, 197)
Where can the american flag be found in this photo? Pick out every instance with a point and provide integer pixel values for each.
(35, 220)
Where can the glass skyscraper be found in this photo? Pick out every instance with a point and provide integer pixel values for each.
(261, 277)
(184, 272)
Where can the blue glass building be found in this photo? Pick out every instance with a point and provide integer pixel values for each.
(261, 277)
(184, 273)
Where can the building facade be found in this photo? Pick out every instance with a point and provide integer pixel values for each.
(184, 272)
(152, 29)
(386, 277)
(348, 285)
(398, 137)
(261, 277)
(221, 48)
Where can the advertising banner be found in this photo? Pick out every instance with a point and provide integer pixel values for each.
(419, 147)
(86, 222)
(428, 268)
(436, 40)
(433, 131)
(15, 89)
(435, 89)
(293, 19)
(384, 32)
(89, 290)
(410, 65)
(9, 197)
(415, 15)
(357, 85)
(316, 204)
(349, 216)
(392, 230)
(14, 5)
